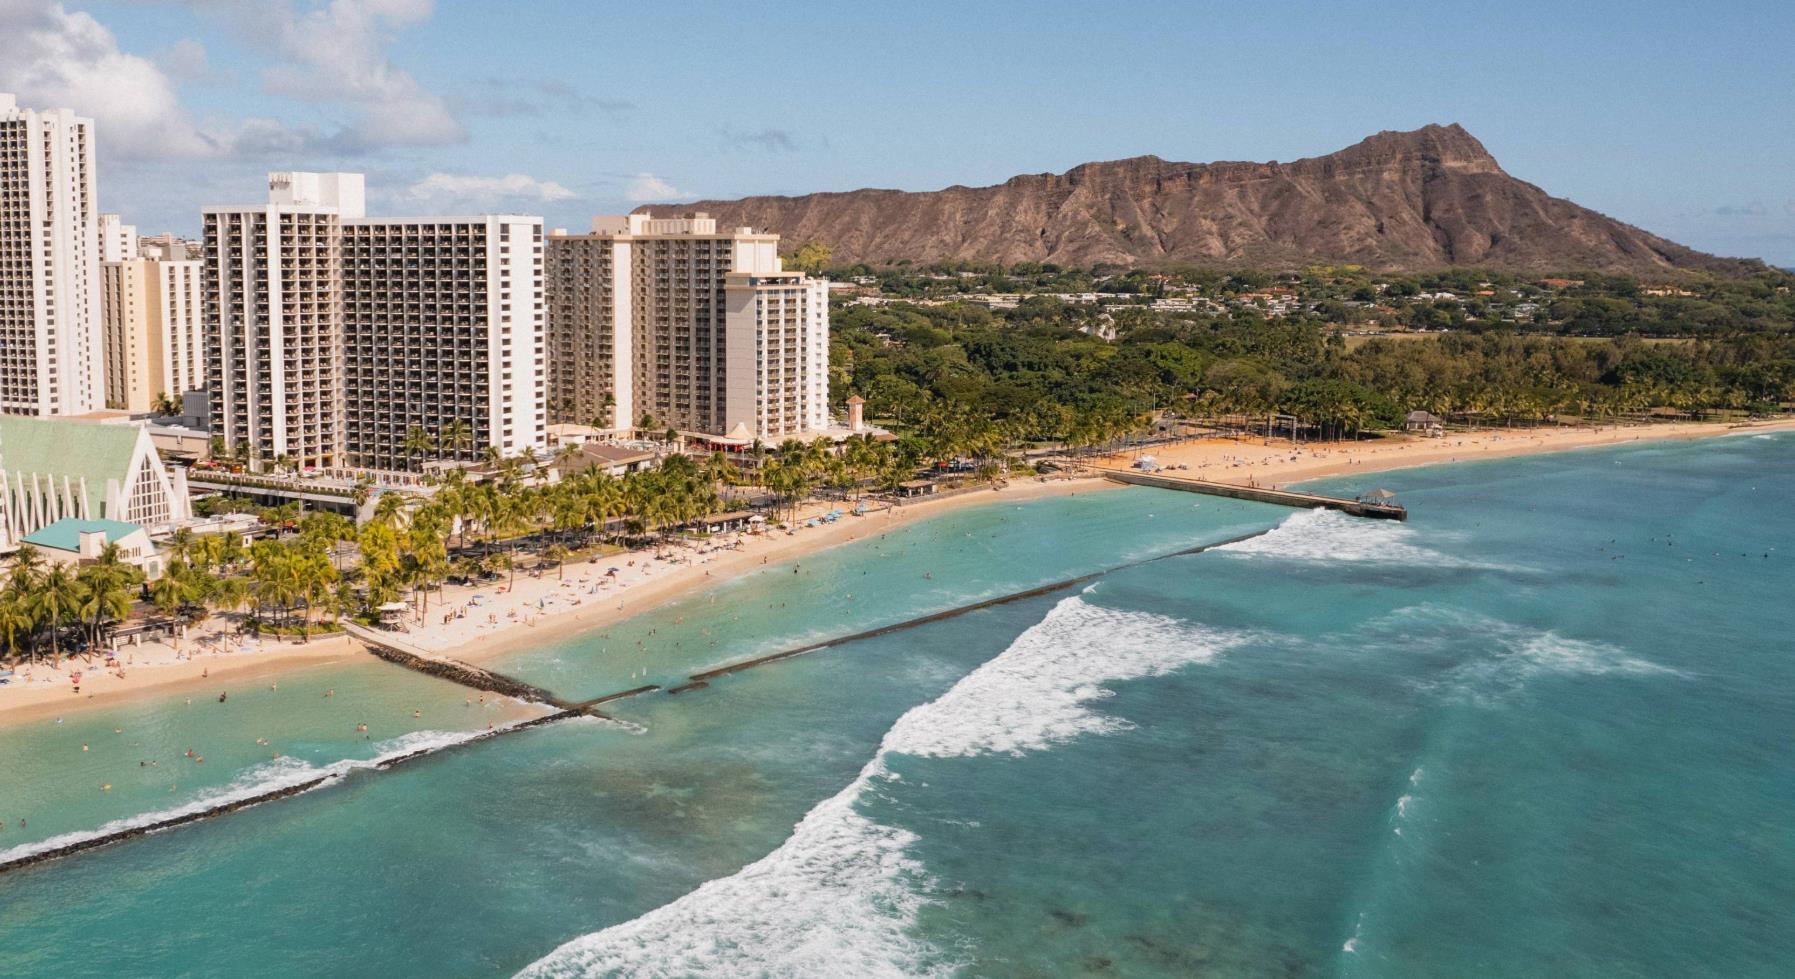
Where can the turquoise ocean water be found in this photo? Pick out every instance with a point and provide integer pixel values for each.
(1545, 728)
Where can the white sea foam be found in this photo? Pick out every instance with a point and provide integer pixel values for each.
(1329, 536)
(1519, 657)
(269, 776)
(1498, 659)
(838, 898)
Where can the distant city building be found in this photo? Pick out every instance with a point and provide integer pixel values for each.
(332, 336)
(167, 246)
(56, 468)
(50, 357)
(118, 240)
(671, 321)
(154, 328)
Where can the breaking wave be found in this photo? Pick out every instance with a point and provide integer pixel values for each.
(264, 779)
(839, 896)
(1329, 536)
(1485, 659)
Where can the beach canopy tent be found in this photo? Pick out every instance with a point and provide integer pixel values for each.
(1380, 496)
(393, 613)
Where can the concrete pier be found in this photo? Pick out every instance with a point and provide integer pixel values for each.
(1258, 494)
(284, 792)
(401, 653)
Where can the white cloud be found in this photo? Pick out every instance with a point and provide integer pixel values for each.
(336, 53)
(647, 188)
(56, 58)
(454, 188)
(333, 54)
(185, 61)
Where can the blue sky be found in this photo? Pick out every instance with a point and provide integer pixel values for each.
(1676, 118)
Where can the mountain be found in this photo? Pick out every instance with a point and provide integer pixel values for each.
(1425, 199)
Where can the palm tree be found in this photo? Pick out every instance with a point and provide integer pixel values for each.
(389, 510)
(418, 443)
(54, 601)
(455, 437)
(14, 619)
(559, 555)
(227, 594)
(106, 591)
(27, 564)
(181, 545)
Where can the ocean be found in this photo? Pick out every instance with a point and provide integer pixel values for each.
(1542, 728)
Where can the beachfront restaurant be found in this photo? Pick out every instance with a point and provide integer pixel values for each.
(918, 487)
(723, 523)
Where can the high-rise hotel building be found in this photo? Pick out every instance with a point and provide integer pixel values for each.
(50, 327)
(443, 333)
(333, 335)
(155, 334)
(669, 323)
(273, 280)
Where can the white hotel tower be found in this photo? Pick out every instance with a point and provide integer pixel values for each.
(701, 330)
(331, 335)
(50, 328)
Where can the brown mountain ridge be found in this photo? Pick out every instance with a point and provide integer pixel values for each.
(1397, 201)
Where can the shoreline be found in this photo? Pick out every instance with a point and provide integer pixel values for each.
(1280, 464)
(701, 567)
(144, 681)
(585, 599)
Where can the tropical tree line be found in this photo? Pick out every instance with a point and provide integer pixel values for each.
(1049, 372)
(47, 607)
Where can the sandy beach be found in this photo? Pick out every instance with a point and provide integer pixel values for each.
(154, 668)
(546, 606)
(482, 621)
(1277, 463)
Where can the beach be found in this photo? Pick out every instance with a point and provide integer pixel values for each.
(483, 621)
(1277, 462)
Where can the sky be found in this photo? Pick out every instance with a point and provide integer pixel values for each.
(1677, 118)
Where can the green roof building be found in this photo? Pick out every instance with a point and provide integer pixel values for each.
(54, 468)
(73, 540)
